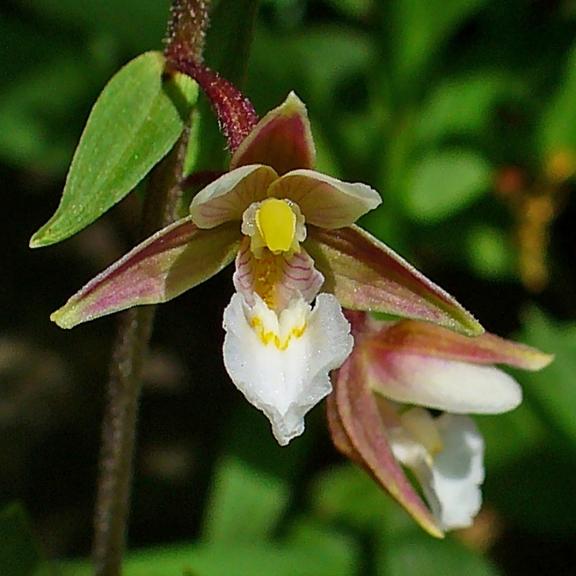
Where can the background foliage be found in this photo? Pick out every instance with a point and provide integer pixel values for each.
(462, 114)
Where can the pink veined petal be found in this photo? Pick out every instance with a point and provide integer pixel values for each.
(364, 274)
(227, 198)
(284, 277)
(325, 201)
(449, 385)
(168, 263)
(360, 432)
(282, 139)
(422, 338)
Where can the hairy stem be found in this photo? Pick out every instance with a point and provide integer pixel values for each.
(125, 383)
(186, 32)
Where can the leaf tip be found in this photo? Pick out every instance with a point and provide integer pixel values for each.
(38, 239)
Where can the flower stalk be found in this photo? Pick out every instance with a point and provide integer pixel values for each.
(186, 34)
(125, 383)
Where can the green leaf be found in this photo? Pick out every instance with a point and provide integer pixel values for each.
(358, 9)
(552, 392)
(134, 123)
(419, 29)
(417, 554)
(109, 18)
(308, 534)
(19, 555)
(348, 495)
(241, 491)
(489, 252)
(445, 182)
(229, 560)
(41, 93)
(248, 484)
(462, 106)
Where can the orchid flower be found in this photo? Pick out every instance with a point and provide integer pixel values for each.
(379, 417)
(291, 233)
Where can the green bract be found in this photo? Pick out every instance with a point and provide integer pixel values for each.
(134, 124)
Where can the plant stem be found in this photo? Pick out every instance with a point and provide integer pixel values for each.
(125, 383)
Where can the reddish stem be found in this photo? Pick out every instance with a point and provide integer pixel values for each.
(235, 113)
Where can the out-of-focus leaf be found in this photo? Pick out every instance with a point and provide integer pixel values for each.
(139, 25)
(348, 495)
(353, 8)
(462, 106)
(246, 503)
(512, 436)
(315, 62)
(229, 37)
(419, 28)
(19, 554)
(417, 554)
(552, 392)
(489, 252)
(229, 560)
(228, 42)
(536, 493)
(36, 110)
(444, 182)
(307, 534)
(252, 488)
(557, 131)
(328, 68)
(134, 123)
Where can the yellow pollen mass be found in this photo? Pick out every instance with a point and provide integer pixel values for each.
(276, 223)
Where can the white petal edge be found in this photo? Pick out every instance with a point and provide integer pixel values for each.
(449, 385)
(325, 201)
(450, 479)
(286, 384)
(458, 471)
(228, 197)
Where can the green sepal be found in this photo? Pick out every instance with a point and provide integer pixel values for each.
(162, 267)
(365, 274)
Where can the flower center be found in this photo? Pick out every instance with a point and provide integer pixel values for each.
(274, 226)
(276, 223)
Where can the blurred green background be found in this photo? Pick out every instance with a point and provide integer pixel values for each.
(462, 113)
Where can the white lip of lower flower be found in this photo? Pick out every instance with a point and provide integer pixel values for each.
(446, 455)
(281, 363)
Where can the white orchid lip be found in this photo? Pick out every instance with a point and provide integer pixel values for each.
(281, 362)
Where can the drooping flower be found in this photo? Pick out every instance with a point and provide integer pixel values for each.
(379, 412)
(291, 231)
